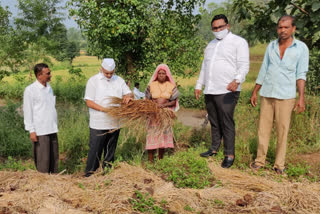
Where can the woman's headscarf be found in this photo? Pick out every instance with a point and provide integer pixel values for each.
(166, 69)
(154, 77)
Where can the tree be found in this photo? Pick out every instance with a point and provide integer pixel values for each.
(41, 23)
(142, 33)
(263, 19)
(75, 35)
(12, 46)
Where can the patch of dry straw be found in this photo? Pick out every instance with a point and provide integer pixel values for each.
(33, 192)
(139, 115)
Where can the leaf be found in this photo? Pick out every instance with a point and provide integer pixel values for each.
(315, 6)
(316, 37)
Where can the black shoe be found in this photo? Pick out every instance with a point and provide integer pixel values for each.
(88, 174)
(208, 153)
(227, 162)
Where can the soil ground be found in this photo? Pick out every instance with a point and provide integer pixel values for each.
(191, 117)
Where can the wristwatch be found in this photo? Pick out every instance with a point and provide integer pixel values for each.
(237, 81)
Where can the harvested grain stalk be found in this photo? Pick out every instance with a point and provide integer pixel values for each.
(139, 114)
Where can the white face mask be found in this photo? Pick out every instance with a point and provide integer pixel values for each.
(220, 34)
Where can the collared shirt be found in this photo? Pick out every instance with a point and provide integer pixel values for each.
(138, 94)
(100, 90)
(39, 110)
(278, 77)
(224, 61)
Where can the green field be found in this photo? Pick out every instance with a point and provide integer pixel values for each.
(73, 122)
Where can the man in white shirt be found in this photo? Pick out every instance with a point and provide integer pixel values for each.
(40, 119)
(137, 93)
(99, 91)
(224, 67)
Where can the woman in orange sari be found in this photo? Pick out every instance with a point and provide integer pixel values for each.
(162, 90)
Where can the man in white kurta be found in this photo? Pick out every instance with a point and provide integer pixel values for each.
(99, 91)
(40, 119)
(224, 67)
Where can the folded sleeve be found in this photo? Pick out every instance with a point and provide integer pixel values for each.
(303, 63)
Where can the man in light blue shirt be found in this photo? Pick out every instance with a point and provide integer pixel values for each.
(284, 69)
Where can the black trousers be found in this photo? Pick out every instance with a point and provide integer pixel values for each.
(101, 141)
(46, 153)
(220, 110)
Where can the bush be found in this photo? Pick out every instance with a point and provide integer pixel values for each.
(313, 76)
(71, 91)
(188, 100)
(14, 140)
(200, 137)
(16, 165)
(73, 135)
(185, 169)
(145, 203)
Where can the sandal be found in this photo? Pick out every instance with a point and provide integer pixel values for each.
(279, 171)
(255, 167)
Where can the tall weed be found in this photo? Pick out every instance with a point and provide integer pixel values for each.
(14, 140)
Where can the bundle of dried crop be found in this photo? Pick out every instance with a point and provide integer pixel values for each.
(137, 115)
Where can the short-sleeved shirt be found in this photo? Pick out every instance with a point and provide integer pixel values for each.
(277, 76)
(100, 90)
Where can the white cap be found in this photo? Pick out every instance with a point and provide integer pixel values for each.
(108, 64)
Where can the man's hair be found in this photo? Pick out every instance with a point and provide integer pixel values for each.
(220, 16)
(287, 17)
(38, 68)
(136, 84)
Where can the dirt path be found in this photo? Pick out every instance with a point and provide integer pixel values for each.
(191, 117)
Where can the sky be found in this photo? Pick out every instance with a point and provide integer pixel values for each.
(69, 22)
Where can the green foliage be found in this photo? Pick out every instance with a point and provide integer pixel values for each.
(225, 7)
(73, 135)
(14, 141)
(12, 46)
(43, 33)
(71, 90)
(298, 170)
(188, 208)
(142, 34)
(263, 18)
(185, 169)
(200, 137)
(15, 165)
(313, 77)
(143, 203)
(130, 147)
(188, 100)
(75, 35)
(81, 186)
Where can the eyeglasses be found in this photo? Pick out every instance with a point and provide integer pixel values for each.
(219, 27)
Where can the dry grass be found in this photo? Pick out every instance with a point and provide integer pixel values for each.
(237, 192)
(138, 112)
